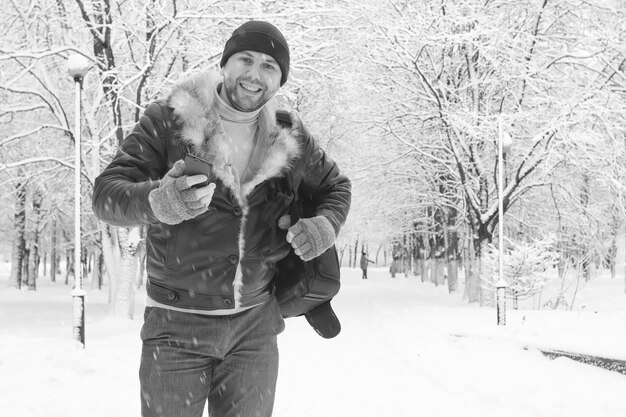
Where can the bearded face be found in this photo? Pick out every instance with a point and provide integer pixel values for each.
(250, 80)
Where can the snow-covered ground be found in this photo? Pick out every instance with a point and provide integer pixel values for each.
(406, 349)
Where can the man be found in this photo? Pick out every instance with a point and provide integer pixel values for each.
(364, 261)
(211, 319)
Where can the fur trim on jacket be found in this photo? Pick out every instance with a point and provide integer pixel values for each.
(201, 130)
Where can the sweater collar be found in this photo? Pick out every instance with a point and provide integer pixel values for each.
(228, 113)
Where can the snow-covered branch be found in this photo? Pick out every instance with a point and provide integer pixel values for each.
(62, 52)
(5, 141)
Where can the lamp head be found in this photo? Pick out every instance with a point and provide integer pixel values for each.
(78, 66)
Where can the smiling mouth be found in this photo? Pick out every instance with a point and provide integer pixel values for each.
(250, 88)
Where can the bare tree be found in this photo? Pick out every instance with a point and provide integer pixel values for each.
(34, 238)
(19, 225)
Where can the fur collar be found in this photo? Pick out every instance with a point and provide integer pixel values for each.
(201, 130)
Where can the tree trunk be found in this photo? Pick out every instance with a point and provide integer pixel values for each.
(124, 300)
(453, 275)
(349, 256)
(467, 264)
(418, 254)
(84, 263)
(425, 270)
(25, 263)
(119, 247)
(111, 252)
(431, 270)
(97, 270)
(124, 288)
(69, 264)
(53, 250)
(341, 253)
(563, 254)
(472, 277)
(408, 244)
(32, 269)
(19, 226)
(586, 265)
(612, 256)
(585, 253)
(378, 252)
(440, 278)
(90, 260)
(486, 273)
(34, 240)
(451, 250)
(140, 254)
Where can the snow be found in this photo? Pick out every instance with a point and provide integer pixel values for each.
(406, 349)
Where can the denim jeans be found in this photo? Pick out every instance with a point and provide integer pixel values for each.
(231, 361)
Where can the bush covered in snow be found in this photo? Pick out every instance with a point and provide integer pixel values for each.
(527, 266)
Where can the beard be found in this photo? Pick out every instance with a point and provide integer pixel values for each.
(246, 96)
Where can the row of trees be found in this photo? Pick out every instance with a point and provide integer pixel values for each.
(550, 75)
(410, 97)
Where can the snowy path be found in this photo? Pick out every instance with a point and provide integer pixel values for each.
(398, 356)
(406, 349)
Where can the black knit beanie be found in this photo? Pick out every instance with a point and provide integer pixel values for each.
(259, 37)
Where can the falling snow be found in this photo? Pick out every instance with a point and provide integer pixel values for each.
(406, 349)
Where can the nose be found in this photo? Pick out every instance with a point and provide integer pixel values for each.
(254, 72)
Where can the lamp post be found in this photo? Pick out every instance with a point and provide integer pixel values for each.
(504, 145)
(77, 67)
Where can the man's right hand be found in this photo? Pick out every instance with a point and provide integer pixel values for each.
(176, 199)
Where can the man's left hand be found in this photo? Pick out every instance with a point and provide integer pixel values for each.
(311, 237)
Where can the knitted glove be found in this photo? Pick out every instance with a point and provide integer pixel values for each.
(311, 237)
(175, 200)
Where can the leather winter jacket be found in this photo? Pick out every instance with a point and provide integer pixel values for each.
(224, 258)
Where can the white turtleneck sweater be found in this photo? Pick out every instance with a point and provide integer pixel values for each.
(241, 130)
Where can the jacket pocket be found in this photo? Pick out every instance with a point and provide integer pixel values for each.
(171, 247)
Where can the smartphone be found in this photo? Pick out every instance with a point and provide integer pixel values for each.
(195, 165)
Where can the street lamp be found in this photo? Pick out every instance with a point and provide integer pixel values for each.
(504, 145)
(77, 67)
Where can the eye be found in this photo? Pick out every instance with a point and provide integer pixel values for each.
(269, 66)
(246, 59)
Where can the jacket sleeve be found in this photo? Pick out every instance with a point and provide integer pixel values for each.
(324, 184)
(120, 195)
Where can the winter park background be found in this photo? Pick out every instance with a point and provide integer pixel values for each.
(412, 99)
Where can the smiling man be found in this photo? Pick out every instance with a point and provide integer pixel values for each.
(211, 319)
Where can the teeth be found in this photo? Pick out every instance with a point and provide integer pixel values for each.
(249, 88)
